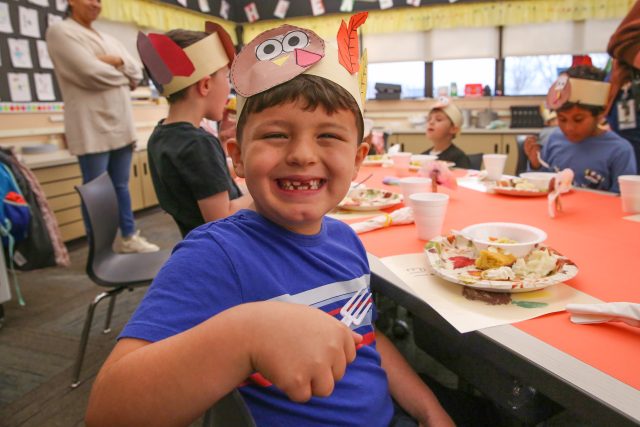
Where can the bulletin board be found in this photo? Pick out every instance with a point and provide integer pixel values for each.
(27, 81)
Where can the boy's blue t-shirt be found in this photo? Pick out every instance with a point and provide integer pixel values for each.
(597, 161)
(246, 258)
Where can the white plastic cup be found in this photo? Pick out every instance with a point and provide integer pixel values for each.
(494, 164)
(429, 210)
(401, 163)
(414, 184)
(630, 193)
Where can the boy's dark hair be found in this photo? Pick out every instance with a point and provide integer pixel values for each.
(315, 91)
(183, 38)
(586, 72)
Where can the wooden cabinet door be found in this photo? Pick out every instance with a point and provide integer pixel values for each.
(414, 143)
(510, 148)
(148, 192)
(135, 184)
(477, 143)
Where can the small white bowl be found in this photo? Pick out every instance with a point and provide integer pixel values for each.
(539, 179)
(526, 236)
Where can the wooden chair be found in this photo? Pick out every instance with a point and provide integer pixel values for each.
(105, 267)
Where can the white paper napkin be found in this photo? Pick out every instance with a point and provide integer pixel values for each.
(399, 216)
(606, 312)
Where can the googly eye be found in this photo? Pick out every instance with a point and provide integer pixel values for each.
(269, 49)
(295, 40)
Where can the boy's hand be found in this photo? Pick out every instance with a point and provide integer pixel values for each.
(531, 149)
(301, 350)
(114, 60)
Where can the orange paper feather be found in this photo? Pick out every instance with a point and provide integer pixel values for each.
(348, 45)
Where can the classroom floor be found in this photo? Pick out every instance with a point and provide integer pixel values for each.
(38, 342)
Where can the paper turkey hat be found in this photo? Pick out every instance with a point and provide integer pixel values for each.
(580, 91)
(278, 55)
(173, 68)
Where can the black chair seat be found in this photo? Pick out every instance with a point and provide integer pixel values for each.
(129, 269)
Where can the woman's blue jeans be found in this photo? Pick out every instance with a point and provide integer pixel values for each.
(118, 164)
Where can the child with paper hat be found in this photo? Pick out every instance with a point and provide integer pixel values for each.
(596, 156)
(188, 164)
(298, 146)
(443, 124)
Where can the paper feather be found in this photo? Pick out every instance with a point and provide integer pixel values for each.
(348, 44)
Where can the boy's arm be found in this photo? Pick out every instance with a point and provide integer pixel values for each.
(175, 380)
(406, 387)
(219, 206)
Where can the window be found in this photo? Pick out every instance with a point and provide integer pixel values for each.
(462, 72)
(533, 75)
(410, 75)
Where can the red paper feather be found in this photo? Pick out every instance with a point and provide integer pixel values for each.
(348, 45)
(172, 55)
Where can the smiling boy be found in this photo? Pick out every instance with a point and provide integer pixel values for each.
(299, 128)
(596, 156)
(443, 124)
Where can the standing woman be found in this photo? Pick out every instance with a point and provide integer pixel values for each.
(96, 74)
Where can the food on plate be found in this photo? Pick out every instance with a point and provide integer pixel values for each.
(370, 198)
(502, 240)
(456, 259)
(518, 184)
(494, 258)
(377, 157)
(538, 263)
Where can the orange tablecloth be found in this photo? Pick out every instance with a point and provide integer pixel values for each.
(590, 231)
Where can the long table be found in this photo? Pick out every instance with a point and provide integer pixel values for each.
(592, 370)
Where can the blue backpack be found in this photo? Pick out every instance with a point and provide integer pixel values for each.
(15, 218)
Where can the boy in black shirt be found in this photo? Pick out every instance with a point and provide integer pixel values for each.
(188, 165)
(443, 124)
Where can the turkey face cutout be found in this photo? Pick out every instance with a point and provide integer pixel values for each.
(559, 92)
(274, 57)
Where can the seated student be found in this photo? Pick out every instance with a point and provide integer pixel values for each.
(443, 124)
(596, 156)
(201, 329)
(188, 164)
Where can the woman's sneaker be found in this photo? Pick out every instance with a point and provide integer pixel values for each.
(136, 244)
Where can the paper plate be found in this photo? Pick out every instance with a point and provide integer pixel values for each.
(440, 251)
(415, 167)
(375, 160)
(369, 199)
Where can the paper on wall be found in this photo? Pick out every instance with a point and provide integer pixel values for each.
(19, 88)
(5, 19)
(386, 4)
(43, 3)
(182, 3)
(281, 9)
(61, 5)
(43, 55)
(466, 314)
(44, 87)
(204, 6)
(317, 7)
(29, 25)
(415, 3)
(346, 6)
(52, 18)
(251, 10)
(224, 9)
(20, 53)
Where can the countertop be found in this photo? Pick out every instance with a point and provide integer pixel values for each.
(502, 131)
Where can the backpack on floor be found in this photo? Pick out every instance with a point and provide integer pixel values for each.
(15, 218)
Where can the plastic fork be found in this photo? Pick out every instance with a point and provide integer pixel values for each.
(356, 309)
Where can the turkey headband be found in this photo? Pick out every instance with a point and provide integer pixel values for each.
(172, 68)
(579, 91)
(278, 55)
